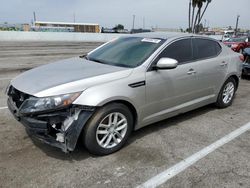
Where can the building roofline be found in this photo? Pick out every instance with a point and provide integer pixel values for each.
(65, 23)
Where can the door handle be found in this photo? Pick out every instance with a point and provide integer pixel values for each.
(223, 64)
(191, 71)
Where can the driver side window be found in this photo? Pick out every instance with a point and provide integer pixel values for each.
(180, 50)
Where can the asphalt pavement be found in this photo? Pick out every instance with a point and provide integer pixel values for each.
(25, 162)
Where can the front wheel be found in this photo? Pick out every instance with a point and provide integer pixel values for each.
(108, 130)
(226, 95)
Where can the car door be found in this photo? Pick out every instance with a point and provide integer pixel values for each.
(211, 66)
(169, 90)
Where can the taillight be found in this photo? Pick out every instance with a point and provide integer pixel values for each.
(242, 58)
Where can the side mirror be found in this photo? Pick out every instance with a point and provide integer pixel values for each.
(166, 63)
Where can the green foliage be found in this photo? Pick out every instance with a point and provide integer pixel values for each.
(119, 27)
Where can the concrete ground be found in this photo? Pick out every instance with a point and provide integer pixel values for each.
(27, 163)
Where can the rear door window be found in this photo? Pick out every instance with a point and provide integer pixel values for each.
(205, 48)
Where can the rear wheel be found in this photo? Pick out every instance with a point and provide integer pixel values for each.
(108, 130)
(226, 95)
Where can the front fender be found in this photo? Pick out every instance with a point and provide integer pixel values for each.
(101, 95)
(114, 91)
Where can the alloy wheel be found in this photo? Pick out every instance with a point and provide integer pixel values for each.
(111, 130)
(228, 93)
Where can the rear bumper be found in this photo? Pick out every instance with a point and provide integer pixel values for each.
(41, 126)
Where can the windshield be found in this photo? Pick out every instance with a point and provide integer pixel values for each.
(125, 52)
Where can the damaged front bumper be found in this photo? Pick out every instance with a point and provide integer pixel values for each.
(60, 128)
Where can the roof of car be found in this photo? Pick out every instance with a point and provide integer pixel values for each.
(162, 35)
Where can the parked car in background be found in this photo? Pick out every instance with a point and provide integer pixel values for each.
(246, 64)
(238, 44)
(227, 35)
(121, 86)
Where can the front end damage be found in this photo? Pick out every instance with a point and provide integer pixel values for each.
(60, 128)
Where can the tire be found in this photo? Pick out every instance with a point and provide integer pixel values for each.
(228, 89)
(108, 129)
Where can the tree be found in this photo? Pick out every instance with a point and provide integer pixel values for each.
(119, 27)
(194, 4)
(208, 2)
(189, 15)
(194, 24)
(198, 15)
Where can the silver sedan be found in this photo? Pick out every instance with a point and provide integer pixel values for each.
(121, 86)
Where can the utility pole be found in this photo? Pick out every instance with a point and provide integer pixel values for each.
(34, 15)
(237, 22)
(133, 26)
(143, 22)
(74, 18)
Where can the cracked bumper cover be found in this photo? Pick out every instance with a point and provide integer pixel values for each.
(42, 129)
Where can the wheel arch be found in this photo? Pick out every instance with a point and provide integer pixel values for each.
(130, 106)
(236, 78)
(219, 102)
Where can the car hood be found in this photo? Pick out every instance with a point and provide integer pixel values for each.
(67, 76)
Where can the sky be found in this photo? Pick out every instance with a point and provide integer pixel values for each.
(108, 13)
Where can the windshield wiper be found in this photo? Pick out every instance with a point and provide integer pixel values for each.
(97, 60)
(122, 65)
(115, 64)
(85, 56)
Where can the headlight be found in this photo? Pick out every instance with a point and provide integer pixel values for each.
(34, 104)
